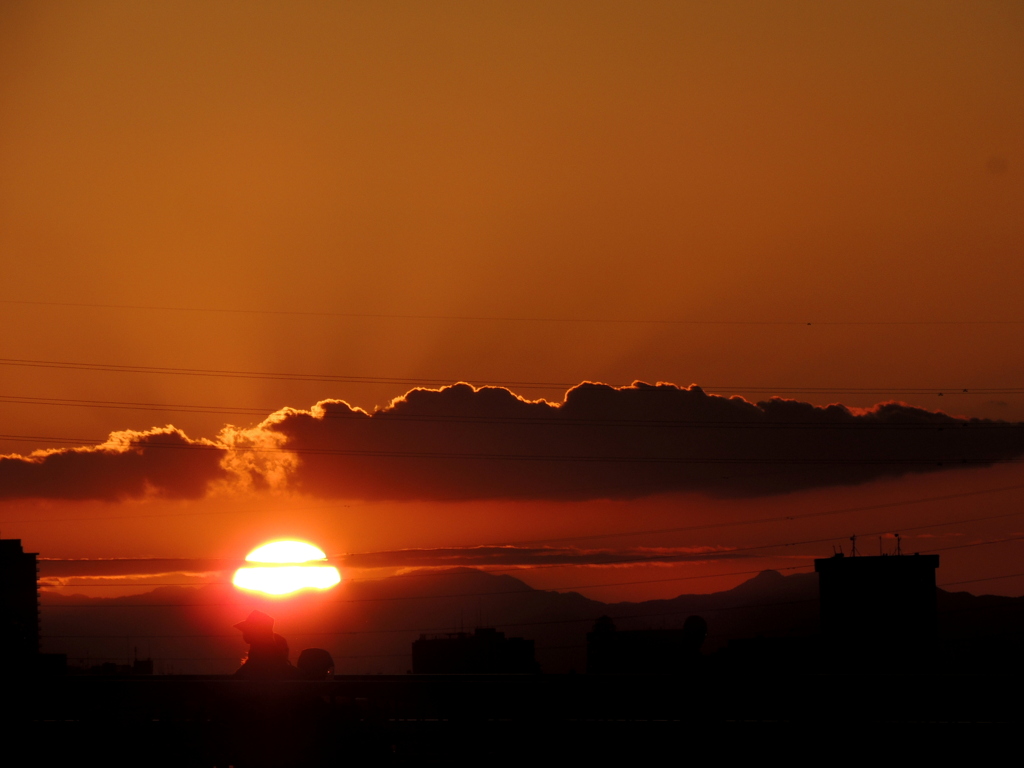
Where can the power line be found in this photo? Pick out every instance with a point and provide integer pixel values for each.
(967, 545)
(546, 590)
(530, 457)
(342, 633)
(694, 556)
(555, 419)
(710, 556)
(290, 510)
(449, 629)
(559, 621)
(505, 319)
(343, 379)
(985, 578)
(226, 410)
(544, 622)
(222, 373)
(634, 560)
(778, 519)
(234, 659)
(748, 521)
(729, 553)
(393, 598)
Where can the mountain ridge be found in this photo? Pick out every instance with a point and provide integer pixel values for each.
(368, 626)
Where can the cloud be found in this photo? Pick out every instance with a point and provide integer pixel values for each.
(528, 556)
(160, 462)
(143, 567)
(462, 443)
(60, 570)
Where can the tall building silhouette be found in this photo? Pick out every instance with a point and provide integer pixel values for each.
(19, 602)
(879, 607)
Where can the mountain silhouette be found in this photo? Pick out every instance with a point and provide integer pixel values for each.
(368, 626)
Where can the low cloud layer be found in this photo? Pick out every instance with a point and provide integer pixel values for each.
(528, 556)
(618, 442)
(56, 569)
(59, 571)
(461, 443)
(160, 462)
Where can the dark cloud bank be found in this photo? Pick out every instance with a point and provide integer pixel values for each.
(464, 443)
(160, 462)
(625, 442)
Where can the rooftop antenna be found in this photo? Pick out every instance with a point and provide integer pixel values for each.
(853, 546)
(899, 549)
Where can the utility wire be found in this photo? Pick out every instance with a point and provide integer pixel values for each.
(581, 537)
(546, 590)
(684, 557)
(533, 592)
(543, 622)
(780, 518)
(555, 419)
(283, 376)
(708, 609)
(710, 556)
(985, 578)
(531, 457)
(219, 373)
(501, 319)
(554, 621)
(696, 557)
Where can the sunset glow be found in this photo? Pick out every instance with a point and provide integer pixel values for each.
(501, 307)
(286, 568)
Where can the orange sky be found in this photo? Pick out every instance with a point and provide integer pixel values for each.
(498, 193)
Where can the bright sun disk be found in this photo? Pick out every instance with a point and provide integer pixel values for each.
(284, 569)
(285, 552)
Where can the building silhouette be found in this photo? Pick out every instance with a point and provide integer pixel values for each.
(485, 651)
(19, 603)
(644, 651)
(878, 608)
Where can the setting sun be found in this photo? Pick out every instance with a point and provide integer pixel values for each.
(286, 567)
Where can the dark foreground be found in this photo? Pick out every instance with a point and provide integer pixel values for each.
(500, 720)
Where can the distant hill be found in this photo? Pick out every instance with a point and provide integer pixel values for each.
(368, 626)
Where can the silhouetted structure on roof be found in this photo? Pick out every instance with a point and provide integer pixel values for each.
(645, 651)
(19, 603)
(485, 651)
(315, 664)
(268, 651)
(878, 608)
